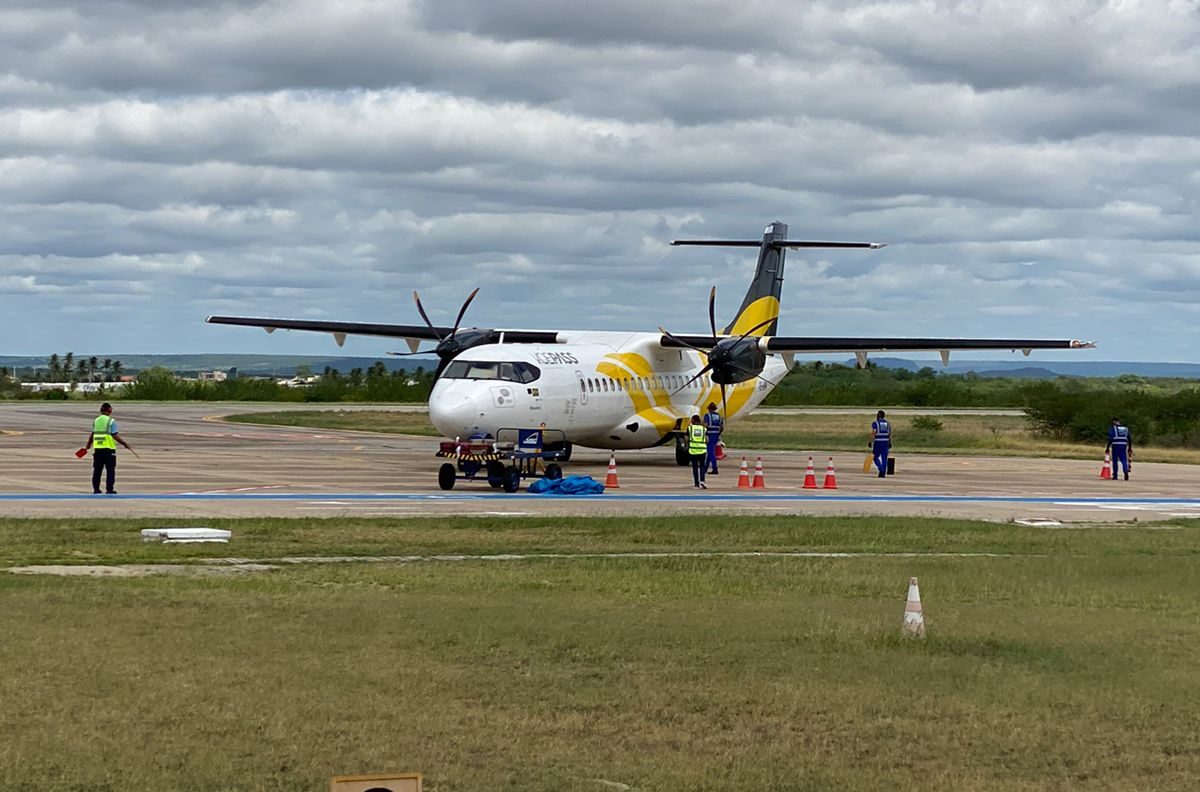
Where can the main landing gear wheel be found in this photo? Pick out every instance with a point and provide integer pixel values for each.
(553, 471)
(682, 457)
(512, 479)
(446, 475)
(495, 474)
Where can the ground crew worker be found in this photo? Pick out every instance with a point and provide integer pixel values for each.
(1122, 447)
(881, 442)
(698, 451)
(103, 442)
(713, 425)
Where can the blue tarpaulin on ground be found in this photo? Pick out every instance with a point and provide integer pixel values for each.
(571, 485)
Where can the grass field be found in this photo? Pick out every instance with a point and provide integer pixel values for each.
(1065, 661)
(996, 435)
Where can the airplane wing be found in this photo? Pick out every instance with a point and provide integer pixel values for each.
(412, 333)
(791, 345)
(780, 344)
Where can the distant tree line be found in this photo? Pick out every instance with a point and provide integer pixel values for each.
(819, 383)
(374, 383)
(68, 368)
(1072, 411)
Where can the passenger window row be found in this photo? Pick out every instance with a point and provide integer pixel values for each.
(670, 382)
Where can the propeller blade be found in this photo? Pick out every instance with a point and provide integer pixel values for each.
(712, 313)
(441, 366)
(681, 341)
(724, 406)
(463, 310)
(407, 354)
(699, 375)
(425, 316)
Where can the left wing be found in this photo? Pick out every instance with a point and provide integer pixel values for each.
(782, 344)
(791, 345)
(852, 344)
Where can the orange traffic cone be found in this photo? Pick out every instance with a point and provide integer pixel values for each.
(914, 618)
(830, 476)
(810, 476)
(1106, 471)
(759, 481)
(743, 476)
(611, 481)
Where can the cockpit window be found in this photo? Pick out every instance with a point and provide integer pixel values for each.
(490, 370)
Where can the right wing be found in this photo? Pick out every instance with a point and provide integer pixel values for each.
(414, 334)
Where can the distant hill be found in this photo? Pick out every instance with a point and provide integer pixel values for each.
(1045, 369)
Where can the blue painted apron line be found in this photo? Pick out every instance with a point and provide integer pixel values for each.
(331, 498)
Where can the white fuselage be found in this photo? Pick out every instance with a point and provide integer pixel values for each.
(602, 390)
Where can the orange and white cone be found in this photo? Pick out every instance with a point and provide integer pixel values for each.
(1106, 471)
(759, 481)
(611, 481)
(830, 476)
(810, 476)
(743, 476)
(914, 617)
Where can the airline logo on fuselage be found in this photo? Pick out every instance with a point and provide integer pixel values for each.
(556, 358)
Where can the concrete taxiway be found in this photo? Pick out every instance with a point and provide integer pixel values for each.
(193, 464)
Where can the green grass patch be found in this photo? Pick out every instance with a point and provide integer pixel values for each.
(1067, 664)
(995, 435)
(388, 421)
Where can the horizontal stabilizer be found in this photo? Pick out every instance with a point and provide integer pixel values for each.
(777, 243)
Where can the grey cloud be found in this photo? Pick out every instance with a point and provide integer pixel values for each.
(1032, 167)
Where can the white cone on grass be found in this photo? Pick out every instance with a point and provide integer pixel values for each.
(914, 618)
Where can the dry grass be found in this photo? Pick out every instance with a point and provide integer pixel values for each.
(995, 435)
(1067, 666)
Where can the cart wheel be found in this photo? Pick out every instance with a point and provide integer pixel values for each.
(512, 479)
(495, 474)
(553, 471)
(446, 476)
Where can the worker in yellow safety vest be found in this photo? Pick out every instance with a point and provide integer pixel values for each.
(103, 442)
(697, 437)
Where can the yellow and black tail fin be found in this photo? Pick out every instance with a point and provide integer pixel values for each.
(761, 303)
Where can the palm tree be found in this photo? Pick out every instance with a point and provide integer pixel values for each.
(107, 367)
(93, 362)
(55, 367)
(68, 366)
(81, 368)
(116, 369)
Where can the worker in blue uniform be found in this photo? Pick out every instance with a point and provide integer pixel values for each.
(1121, 445)
(881, 441)
(713, 426)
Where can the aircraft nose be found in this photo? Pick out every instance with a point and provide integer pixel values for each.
(454, 411)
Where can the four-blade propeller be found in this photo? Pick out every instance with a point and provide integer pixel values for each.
(451, 344)
(731, 359)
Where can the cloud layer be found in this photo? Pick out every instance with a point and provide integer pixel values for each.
(1034, 167)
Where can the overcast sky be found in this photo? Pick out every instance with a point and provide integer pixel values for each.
(1033, 166)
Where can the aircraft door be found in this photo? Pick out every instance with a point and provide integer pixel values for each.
(582, 387)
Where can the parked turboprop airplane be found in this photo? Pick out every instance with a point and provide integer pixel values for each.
(626, 389)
